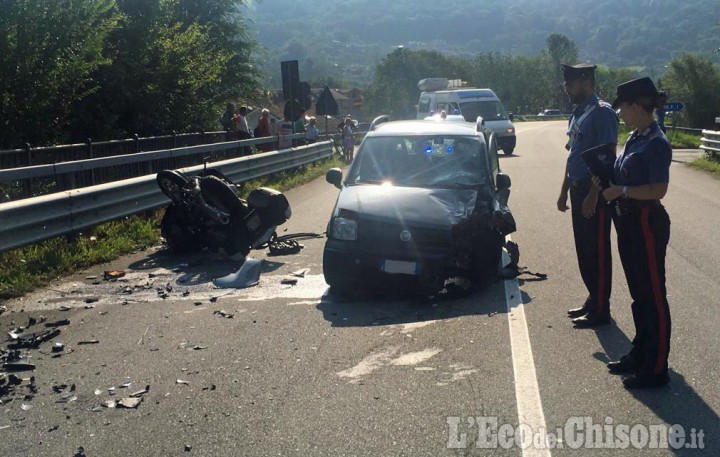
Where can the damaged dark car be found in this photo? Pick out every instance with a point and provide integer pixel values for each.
(423, 202)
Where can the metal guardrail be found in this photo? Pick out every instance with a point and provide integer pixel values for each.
(35, 180)
(710, 142)
(31, 220)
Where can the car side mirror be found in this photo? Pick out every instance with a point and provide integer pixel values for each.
(511, 116)
(334, 177)
(502, 181)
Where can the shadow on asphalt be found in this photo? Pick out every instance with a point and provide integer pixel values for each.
(675, 403)
(374, 307)
(197, 268)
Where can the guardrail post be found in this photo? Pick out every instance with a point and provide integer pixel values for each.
(136, 139)
(28, 183)
(90, 154)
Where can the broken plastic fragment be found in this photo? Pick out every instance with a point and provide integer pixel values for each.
(109, 404)
(113, 274)
(224, 313)
(33, 340)
(140, 393)
(180, 381)
(57, 323)
(88, 342)
(301, 273)
(247, 276)
(291, 281)
(25, 407)
(129, 402)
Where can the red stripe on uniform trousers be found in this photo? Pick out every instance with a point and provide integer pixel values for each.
(655, 281)
(601, 261)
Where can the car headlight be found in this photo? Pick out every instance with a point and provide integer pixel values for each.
(343, 228)
(509, 130)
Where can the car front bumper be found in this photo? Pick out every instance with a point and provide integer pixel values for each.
(506, 142)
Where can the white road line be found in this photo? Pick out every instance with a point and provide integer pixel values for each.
(527, 392)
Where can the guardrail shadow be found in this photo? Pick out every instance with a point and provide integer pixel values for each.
(675, 403)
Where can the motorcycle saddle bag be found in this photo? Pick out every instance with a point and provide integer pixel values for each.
(271, 204)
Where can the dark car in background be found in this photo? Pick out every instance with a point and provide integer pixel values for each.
(423, 201)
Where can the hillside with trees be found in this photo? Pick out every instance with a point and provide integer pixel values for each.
(346, 40)
(109, 69)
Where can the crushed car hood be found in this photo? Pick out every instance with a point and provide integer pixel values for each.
(433, 208)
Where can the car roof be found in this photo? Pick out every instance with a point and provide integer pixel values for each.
(424, 127)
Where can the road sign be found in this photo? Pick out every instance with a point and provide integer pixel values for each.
(326, 104)
(673, 106)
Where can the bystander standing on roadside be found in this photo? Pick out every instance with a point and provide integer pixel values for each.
(263, 130)
(348, 137)
(243, 130)
(299, 127)
(311, 131)
(228, 118)
(285, 131)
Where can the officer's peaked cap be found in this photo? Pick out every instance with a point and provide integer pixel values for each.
(636, 89)
(579, 71)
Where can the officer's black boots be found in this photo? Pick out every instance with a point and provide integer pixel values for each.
(581, 311)
(591, 320)
(577, 312)
(623, 366)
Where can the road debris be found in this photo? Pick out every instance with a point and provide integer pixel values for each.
(33, 340)
(88, 342)
(180, 381)
(224, 314)
(57, 323)
(290, 281)
(113, 275)
(247, 276)
(129, 402)
(140, 393)
(301, 273)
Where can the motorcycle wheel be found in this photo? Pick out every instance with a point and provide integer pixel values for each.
(176, 234)
(171, 182)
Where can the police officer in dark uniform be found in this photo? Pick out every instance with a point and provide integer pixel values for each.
(593, 123)
(640, 180)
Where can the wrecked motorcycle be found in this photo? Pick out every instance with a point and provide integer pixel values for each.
(206, 213)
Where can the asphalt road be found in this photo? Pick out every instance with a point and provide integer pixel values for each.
(296, 372)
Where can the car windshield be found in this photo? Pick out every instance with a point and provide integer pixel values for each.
(439, 161)
(490, 110)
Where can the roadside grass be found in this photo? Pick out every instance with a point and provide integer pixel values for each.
(678, 139)
(24, 269)
(707, 163)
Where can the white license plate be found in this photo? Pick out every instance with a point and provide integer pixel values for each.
(399, 267)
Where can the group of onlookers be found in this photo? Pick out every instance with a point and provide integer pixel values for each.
(236, 122)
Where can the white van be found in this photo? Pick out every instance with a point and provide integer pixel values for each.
(470, 103)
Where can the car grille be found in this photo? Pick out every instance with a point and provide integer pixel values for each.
(381, 236)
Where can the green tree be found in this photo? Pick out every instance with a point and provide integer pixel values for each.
(176, 63)
(49, 50)
(559, 49)
(695, 81)
(394, 88)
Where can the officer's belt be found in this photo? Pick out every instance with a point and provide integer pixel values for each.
(630, 205)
